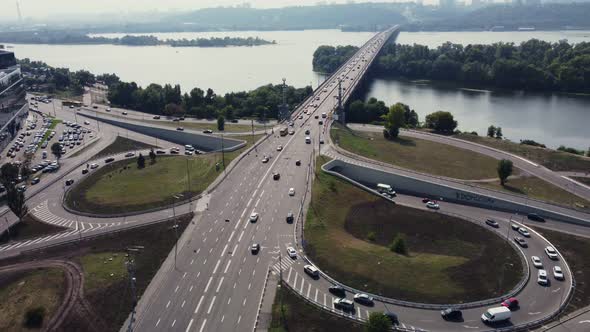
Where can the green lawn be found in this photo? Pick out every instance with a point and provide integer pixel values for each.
(102, 270)
(296, 315)
(229, 127)
(416, 154)
(539, 189)
(54, 123)
(552, 159)
(123, 144)
(39, 288)
(443, 265)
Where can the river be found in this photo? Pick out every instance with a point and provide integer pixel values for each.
(551, 119)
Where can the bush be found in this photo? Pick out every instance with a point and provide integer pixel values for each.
(371, 236)
(399, 245)
(531, 142)
(474, 133)
(34, 317)
(570, 150)
(386, 134)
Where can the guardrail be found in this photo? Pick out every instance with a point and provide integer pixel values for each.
(268, 271)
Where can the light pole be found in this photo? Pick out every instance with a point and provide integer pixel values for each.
(188, 181)
(176, 197)
(130, 263)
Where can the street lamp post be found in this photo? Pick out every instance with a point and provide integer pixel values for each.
(176, 197)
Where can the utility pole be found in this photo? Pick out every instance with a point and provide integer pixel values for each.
(222, 153)
(130, 263)
(341, 115)
(284, 108)
(176, 197)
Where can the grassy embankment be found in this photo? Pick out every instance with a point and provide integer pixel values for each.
(348, 232)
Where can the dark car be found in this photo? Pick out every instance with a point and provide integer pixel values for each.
(180, 129)
(337, 290)
(69, 182)
(298, 162)
(451, 314)
(392, 318)
(492, 223)
(156, 117)
(85, 170)
(276, 176)
(35, 181)
(160, 152)
(521, 242)
(511, 303)
(307, 132)
(207, 131)
(233, 120)
(317, 117)
(320, 122)
(290, 217)
(535, 217)
(255, 248)
(425, 200)
(109, 160)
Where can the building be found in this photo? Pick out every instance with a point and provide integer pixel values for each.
(14, 108)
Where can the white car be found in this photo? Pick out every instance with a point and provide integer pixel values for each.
(292, 253)
(558, 273)
(265, 160)
(280, 148)
(537, 262)
(129, 154)
(254, 217)
(523, 231)
(93, 166)
(291, 191)
(550, 251)
(542, 277)
(432, 205)
(86, 123)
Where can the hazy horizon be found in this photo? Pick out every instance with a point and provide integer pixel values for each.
(44, 9)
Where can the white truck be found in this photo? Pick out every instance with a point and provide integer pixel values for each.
(495, 315)
(385, 189)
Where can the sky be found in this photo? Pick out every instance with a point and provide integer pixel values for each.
(41, 9)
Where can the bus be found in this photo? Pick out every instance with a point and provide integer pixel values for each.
(284, 131)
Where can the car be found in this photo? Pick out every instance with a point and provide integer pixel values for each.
(291, 132)
(276, 176)
(160, 152)
(492, 223)
(21, 188)
(69, 182)
(297, 162)
(156, 117)
(451, 314)
(85, 171)
(307, 132)
(174, 150)
(321, 141)
(312, 271)
(292, 252)
(87, 122)
(130, 154)
(542, 278)
(392, 318)
(510, 303)
(176, 119)
(337, 290)
(425, 200)
(255, 248)
(232, 120)
(109, 160)
(291, 191)
(520, 241)
(537, 262)
(124, 113)
(265, 159)
(35, 181)
(320, 122)
(343, 304)
(301, 117)
(180, 129)
(207, 131)
(551, 252)
(432, 205)
(280, 148)
(514, 227)
(535, 217)
(558, 273)
(290, 217)
(93, 106)
(316, 117)
(93, 166)
(524, 232)
(363, 298)
(188, 153)
(254, 217)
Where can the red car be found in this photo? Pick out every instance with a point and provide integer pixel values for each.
(425, 200)
(511, 303)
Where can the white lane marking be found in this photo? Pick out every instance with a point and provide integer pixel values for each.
(211, 305)
(239, 319)
(231, 236)
(208, 284)
(234, 251)
(203, 325)
(168, 304)
(219, 285)
(223, 251)
(244, 303)
(189, 325)
(173, 323)
(222, 318)
(289, 274)
(316, 295)
(191, 289)
(308, 290)
(176, 290)
(192, 261)
(229, 300)
(240, 238)
(184, 275)
(182, 305)
(216, 266)
(158, 322)
(199, 304)
(227, 266)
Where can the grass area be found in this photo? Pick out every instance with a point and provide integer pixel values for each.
(296, 315)
(443, 265)
(576, 251)
(416, 154)
(28, 228)
(102, 270)
(539, 189)
(123, 144)
(42, 288)
(552, 159)
(582, 179)
(122, 187)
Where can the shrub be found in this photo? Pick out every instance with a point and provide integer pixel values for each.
(371, 236)
(34, 317)
(398, 245)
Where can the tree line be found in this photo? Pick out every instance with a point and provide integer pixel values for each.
(72, 38)
(533, 65)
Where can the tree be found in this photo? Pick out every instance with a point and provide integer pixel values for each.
(152, 156)
(221, 123)
(140, 161)
(491, 131)
(499, 132)
(504, 170)
(8, 173)
(441, 121)
(398, 245)
(16, 201)
(56, 150)
(394, 119)
(378, 322)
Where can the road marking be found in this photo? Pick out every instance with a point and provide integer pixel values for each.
(324, 299)
(208, 284)
(224, 250)
(189, 325)
(222, 318)
(229, 301)
(244, 303)
(308, 290)
(158, 322)
(182, 305)
(198, 250)
(203, 325)
(176, 290)
(257, 201)
(249, 286)
(239, 319)
(240, 238)
(358, 312)
(302, 283)
(316, 295)
(235, 248)
(289, 274)
(231, 236)
(192, 261)
(168, 304)
(584, 321)
(211, 305)
(191, 289)
(174, 322)
(227, 266)
(219, 285)
(216, 266)
(205, 262)
(199, 304)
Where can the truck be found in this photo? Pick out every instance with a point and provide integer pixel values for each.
(385, 188)
(284, 131)
(496, 315)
